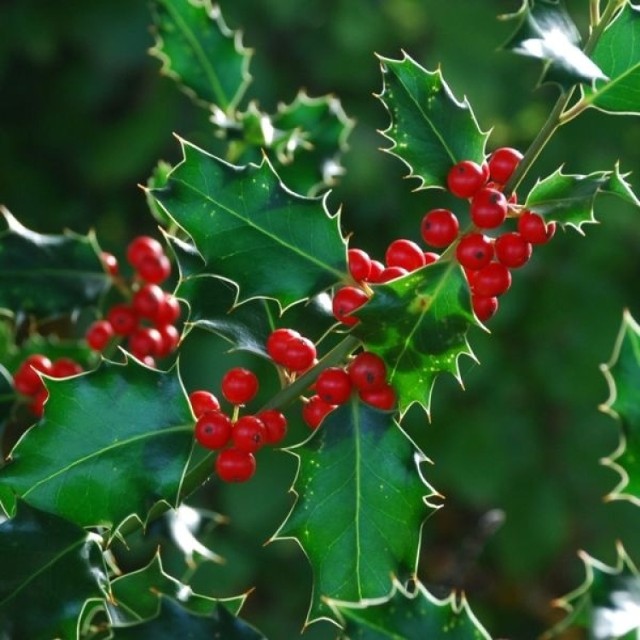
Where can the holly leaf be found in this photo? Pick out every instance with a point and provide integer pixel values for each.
(157, 180)
(617, 53)
(360, 505)
(622, 373)
(409, 615)
(200, 52)
(250, 229)
(137, 596)
(107, 449)
(37, 550)
(48, 275)
(569, 199)
(173, 621)
(547, 32)
(7, 394)
(418, 325)
(430, 129)
(607, 604)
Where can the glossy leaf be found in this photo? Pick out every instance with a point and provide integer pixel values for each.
(50, 569)
(251, 230)
(607, 604)
(408, 615)
(623, 376)
(547, 32)
(361, 502)
(617, 53)
(136, 596)
(111, 444)
(173, 622)
(68, 263)
(200, 52)
(430, 129)
(157, 180)
(418, 324)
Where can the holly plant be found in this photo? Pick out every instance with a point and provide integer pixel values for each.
(325, 347)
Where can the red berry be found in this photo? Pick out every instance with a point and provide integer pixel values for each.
(147, 300)
(492, 280)
(376, 270)
(249, 433)
(149, 361)
(37, 404)
(170, 339)
(65, 367)
(26, 381)
(275, 424)
(383, 397)
(333, 385)
(485, 172)
(430, 257)
(110, 263)
(277, 344)
(474, 251)
(484, 307)
(405, 254)
(123, 319)
(234, 465)
(359, 264)
(154, 269)
(367, 371)
(315, 410)
(488, 208)
(439, 227)
(512, 250)
(239, 385)
(145, 341)
(391, 273)
(299, 355)
(347, 300)
(213, 429)
(203, 401)
(168, 311)
(465, 178)
(143, 247)
(99, 334)
(533, 228)
(503, 163)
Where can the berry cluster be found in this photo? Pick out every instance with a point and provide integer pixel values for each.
(236, 437)
(148, 320)
(27, 381)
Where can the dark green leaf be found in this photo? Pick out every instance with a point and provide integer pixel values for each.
(547, 32)
(199, 51)
(607, 604)
(413, 615)
(418, 324)
(158, 179)
(112, 443)
(7, 395)
(360, 505)
(47, 275)
(620, 187)
(618, 55)
(430, 130)
(175, 622)
(50, 569)
(251, 230)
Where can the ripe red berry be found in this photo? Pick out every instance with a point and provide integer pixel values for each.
(439, 227)
(213, 429)
(359, 264)
(533, 228)
(275, 424)
(239, 385)
(474, 251)
(168, 311)
(170, 339)
(430, 257)
(234, 465)
(503, 163)
(512, 250)
(203, 401)
(123, 319)
(367, 371)
(465, 178)
(347, 300)
(277, 343)
(99, 334)
(391, 273)
(145, 341)
(315, 410)
(405, 254)
(248, 433)
(36, 406)
(383, 397)
(110, 263)
(147, 300)
(484, 307)
(376, 270)
(492, 280)
(143, 247)
(334, 385)
(299, 355)
(154, 269)
(65, 367)
(26, 381)
(488, 208)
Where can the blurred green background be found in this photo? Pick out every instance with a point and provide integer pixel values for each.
(84, 117)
